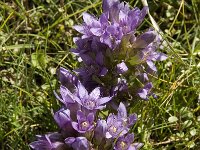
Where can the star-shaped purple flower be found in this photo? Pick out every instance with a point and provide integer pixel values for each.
(84, 123)
(91, 101)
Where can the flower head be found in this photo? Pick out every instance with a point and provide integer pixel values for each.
(122, 115)
(100, 130)
(91, 101)
(84, 123)
(78, 143)
(126, 143)
(48, 142)
(115, 127)
(116, 21)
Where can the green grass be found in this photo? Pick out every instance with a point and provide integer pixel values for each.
(35, 38)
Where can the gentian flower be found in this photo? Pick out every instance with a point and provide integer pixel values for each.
(67, 79)
(145, 91)
(91, 101)
(62, 118)
(126, 143)
(78, 143)
(83, 123)
(115, 127)
(111, 57)
(100, 131)
(50, 141)
(69, 100)
(122, 115)
(117, 20)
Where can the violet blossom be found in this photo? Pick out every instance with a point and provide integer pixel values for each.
(126, 143)
(78, 143)
(84, 123)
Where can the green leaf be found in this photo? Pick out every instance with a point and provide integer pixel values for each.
(191, 144)
(39, 60)
(172, 119)
(193, 131)
(187, 123)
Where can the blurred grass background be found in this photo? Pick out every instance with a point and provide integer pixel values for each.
(35, 39)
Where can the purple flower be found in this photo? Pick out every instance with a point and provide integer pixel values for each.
(107, 4)
(121, 86)
(69, 100)
(100, 131)
(93, 55)
(116, 21)
(67, 78)
(50, 141)
(115, 127)
(62, 118)
(126, 143)
(84, 123)
(78, 143)
(122, 115)
(145, 91)
(122, 68)
(91, 101)
(144, 50)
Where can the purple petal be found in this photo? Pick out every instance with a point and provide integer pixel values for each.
(111, 29)
(143, 12)
(90, 118)
(82, 91)
(96, 31)
(122, 68)
(148, 86)
(80, 116)
(67, 96)
(145, 39)
(86, 59)
(81, 143)
(67, 78)
(69, 140)
(101, 128)
(90, 20)
(104, 19)
(151, 65)
(39, 145)
(62, 118)
(75, 126)
(129, 138)
(143, 93)
(80, 29)
(103, 100)
(122, 16)
(159, 56)
(103, 71)
(122, 113)
(111, 119)
(95, 93)
(107, 4)
(105, 38)
(131, 147)
(56, 95)
(99, 58)
(132, 119)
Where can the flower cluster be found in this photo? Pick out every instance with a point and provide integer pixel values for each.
(116, 63)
